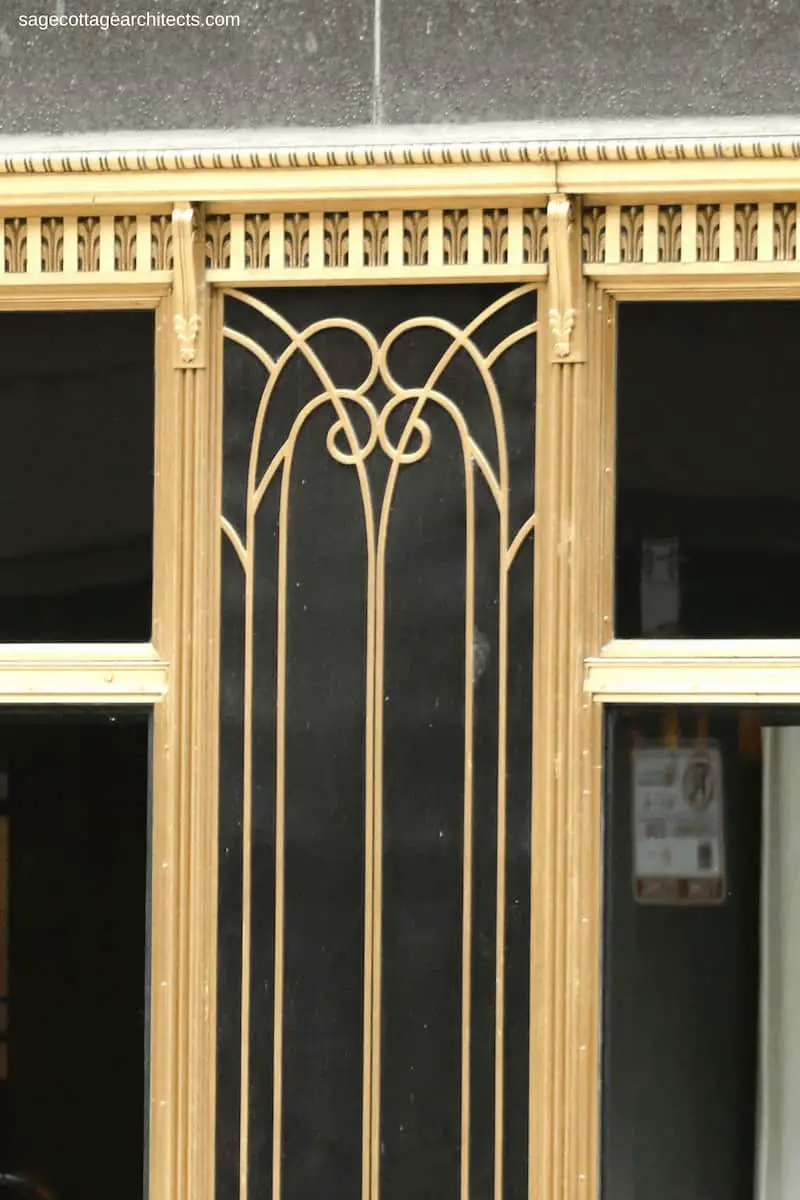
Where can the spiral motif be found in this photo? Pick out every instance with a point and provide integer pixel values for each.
(345, 454)
(417, 426)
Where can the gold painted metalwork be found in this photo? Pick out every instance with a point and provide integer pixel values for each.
(375, 226)
(735, 148)
(784, 242)
(175, 675)
(756, 236)
(565, 311)
(342, 245)
(733, 238)
(161, 249)
(218, 242)
(184, 830)
(65, 246)
(52, 233)
(189, 282)
(352, 450)
(337, 239)
(15, 240)
(661, 218)
(256, 241)
(101, 674)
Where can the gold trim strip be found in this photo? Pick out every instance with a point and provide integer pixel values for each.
(397, 273)
(765, 650)
(706, 272)
(93, 674)
(687, 680)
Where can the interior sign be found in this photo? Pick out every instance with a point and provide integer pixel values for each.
(660, 586)
(678, 824)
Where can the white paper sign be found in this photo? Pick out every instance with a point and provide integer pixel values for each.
(678, 824)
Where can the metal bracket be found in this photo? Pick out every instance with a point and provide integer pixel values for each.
(189, 286)
(566, 315)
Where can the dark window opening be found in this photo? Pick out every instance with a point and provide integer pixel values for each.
(701, 1058)
(74, 884)
(77, 398)
(708, 489)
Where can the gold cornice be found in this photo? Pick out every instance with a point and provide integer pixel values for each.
(402, 174)
(629, 149)
(398, 174)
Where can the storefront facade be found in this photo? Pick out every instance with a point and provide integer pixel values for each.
(379, 699)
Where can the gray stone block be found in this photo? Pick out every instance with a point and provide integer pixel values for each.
(288, 63)
(494, 60)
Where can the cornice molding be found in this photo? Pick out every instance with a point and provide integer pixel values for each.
(417, 153)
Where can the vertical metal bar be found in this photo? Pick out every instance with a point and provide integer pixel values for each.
(689, 233)
(107, 256)
(34, 246)
(355, 240)
(515, 237)
(727, 233)
(143, 246)
(316, 241)
(435, 238)
(650, 236)
(237, 243)
(475, 237)
(766, 239)
(395, 238)
(613, 235)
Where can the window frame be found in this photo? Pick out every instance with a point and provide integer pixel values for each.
(159, 675)
(639, 671)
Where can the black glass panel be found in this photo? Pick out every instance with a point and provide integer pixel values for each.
(376, 674)
(708, 491)
(76, 476)
(682, 950)
(424, 823)
(75, 788)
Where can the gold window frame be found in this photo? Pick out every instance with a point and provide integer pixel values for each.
(170, 231)
(169, 674)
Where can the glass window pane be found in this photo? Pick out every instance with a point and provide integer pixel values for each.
(708, 486)
(73, 1097)
(76, 476)
(701, 1026)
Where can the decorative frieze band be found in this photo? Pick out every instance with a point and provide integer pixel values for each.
(503, 239)
(378, 243)
(92, 245)
(690, 234)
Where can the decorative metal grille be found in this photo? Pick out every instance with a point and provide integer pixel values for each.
(376, 741)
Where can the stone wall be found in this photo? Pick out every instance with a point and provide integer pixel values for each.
(340, 63)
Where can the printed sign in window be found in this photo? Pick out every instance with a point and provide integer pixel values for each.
(678, 824)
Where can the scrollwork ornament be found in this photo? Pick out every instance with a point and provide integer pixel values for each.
(565, 275)
(189, 257)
